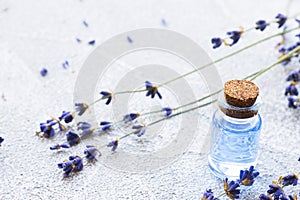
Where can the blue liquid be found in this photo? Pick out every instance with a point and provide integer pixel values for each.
(234, 144)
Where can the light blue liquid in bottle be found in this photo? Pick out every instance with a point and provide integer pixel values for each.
(234, 141)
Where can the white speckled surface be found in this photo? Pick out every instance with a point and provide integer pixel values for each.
(36, 34)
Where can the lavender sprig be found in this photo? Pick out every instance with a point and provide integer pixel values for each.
(75, 163)
(276, 189)
(232, 189)
(236, 34)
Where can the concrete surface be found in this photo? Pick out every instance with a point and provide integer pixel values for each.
(36, 34)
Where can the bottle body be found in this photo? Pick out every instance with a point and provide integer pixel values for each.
(234, 144)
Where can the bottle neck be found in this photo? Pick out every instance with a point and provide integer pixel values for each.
(238, 112)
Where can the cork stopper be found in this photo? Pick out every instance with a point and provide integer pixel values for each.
(240, 93)
(240, 96)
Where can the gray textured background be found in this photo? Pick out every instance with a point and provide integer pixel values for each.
(36, 34)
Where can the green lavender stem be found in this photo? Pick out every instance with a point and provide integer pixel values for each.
(171, 116)
(185, 105)
(220, 195)
(182, 112)
(129, 91)
(280, 60)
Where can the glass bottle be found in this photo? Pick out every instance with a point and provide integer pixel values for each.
(234, 138)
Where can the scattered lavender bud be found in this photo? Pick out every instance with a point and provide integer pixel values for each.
(298, 21)
(90, 152)
(1, 140)
(81, 108)
(291, 179)
(291, 89)
(92, 42)
(85, 23)
(129, 39)
(247, 176)
(167, 110)
(85, 127)
(281, 19)
(105, 125)
(74, 164)
(208, 195)
(66, 64)
(235, 36)
(217, 42)
(106, 95)
(130, 117)
(292, 102)
(277, 191)
(78, 40)
(58, 146)
(261, 25)
(152, 90)
(44, 72)
(164, 22)
(231, 189)
(67, 117)
(141, 129)
(294, 76)
(264, 197)
(47, 128)
(72, 138)
(114, 144)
